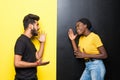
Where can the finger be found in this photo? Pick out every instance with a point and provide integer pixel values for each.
(44, 63)
(84, 50)
(75, 35)
(75, 53)
(39, 60)
(79, 48)
(77, 57)
(70, 30)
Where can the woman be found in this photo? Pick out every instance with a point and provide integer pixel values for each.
(91, 48)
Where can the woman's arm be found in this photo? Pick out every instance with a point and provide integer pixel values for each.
(101, 55)
(72, 38)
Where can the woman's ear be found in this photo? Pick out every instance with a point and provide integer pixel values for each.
(85, 25)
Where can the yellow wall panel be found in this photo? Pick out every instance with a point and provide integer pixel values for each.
(11, 27)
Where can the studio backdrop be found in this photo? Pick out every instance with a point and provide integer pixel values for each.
(56, 17)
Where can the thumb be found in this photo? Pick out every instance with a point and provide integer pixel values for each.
(75, 35)
(84, 50)
(39, 60)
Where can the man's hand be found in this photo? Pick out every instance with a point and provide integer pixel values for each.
(40, 63)
(44, 63)
(42, 37)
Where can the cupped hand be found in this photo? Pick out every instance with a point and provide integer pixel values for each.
(71, 34)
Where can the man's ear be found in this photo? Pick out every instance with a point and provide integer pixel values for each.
(30, 26)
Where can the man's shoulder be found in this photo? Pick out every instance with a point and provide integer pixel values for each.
(21, 38)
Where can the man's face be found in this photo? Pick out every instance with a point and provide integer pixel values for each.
(35, 29)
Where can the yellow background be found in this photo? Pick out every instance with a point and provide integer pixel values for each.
(11, 27)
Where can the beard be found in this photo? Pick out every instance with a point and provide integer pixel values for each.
(34, 32)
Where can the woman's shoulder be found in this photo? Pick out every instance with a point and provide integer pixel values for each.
(94, 34)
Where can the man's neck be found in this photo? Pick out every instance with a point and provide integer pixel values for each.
(27, 33)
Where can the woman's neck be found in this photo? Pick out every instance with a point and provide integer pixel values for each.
(87, 32)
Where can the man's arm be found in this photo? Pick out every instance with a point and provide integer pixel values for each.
(42, 39)
(22, 64)
(39, 53)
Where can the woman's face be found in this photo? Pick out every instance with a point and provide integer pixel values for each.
(80, 28)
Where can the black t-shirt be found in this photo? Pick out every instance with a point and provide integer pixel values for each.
(27, 50)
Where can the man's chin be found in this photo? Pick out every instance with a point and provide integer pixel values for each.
(34, 34)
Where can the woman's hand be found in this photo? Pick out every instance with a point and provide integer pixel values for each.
(80, 54)
(71, 34)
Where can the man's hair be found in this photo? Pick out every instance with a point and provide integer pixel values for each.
(86, 21)
(29, 19)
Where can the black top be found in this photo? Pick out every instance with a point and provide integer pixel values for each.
(27, 50)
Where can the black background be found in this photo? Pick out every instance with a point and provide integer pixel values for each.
(104, 16)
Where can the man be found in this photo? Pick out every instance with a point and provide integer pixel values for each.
(27, 58)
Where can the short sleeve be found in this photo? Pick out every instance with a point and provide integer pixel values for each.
(97, 41)
(19, 47)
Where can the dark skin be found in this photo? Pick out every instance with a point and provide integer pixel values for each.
(83, 30)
